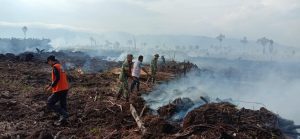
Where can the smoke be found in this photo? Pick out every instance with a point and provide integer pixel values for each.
(184, 87)
(178, 47)
(234, 70)
(17, 46)
(250, 84)
(180, 51)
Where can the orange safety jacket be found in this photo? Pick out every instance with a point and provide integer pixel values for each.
(62, 84)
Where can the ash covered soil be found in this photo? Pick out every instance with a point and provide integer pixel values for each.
(95, 112)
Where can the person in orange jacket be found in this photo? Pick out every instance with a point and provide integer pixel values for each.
(59, 87)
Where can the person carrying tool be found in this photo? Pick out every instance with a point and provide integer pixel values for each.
(59, 87)
(123, 77)
(136, 71)
(153, 67)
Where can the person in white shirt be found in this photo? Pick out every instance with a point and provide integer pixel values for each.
(136, 72)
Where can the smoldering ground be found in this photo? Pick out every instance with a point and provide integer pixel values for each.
(250, 84)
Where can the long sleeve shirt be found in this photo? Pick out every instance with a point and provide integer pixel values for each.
(57, 77)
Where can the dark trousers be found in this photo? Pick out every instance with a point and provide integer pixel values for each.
(60, 96)
(136, 81)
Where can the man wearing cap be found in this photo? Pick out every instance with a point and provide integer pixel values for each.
(59, 87)
(123, 77)
(153, 67)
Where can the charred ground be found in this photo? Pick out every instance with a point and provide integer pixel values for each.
(95, 113)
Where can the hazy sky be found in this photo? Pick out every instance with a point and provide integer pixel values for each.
(276, 19)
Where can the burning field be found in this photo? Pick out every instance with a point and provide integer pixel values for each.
(95, 112)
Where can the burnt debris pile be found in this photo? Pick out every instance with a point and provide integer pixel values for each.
(216, 120)
(225, 120)
(178, 105)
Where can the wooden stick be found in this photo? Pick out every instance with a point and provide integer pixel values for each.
(111, 110)
(204, 99)
(116, 104)
(57, 135)
(95, 98)
(9, 67)
(110, 134)
(142, 112)
(137, 119)
(147, 79)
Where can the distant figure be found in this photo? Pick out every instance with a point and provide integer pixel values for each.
(163, 59)
(163, 64)
(123, 77)
(153, 67)
(136, 71)
(59, 87)
(185, 68)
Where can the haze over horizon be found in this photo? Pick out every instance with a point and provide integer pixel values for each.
(278, 20)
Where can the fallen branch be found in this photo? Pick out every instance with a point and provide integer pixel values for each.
(137, 119)
(73, 137)
(80, 120)
(96, 97)
(110, 134)
(148, 79)
(142, 112)
(111, 110)
(9, 67)
(57, 135)
(116, 104)
(204, 99)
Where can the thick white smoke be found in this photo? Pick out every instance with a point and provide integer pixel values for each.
(250, 84)
(16, 45)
